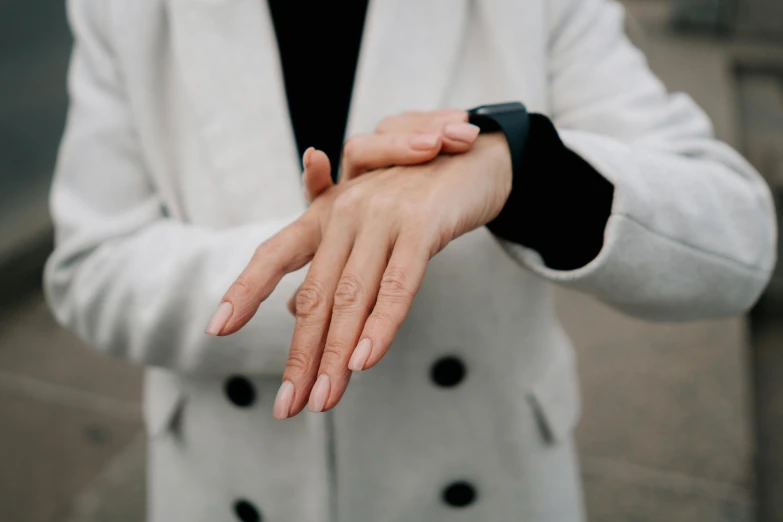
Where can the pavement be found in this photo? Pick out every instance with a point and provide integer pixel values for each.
(668, 431)
(68, 414)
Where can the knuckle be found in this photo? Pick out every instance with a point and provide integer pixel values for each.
(383, 203)
(381, 319)
(298, 361)
(301, 226)
(310, 299)
(412, 208)
(334, 354)
(349, 293)
(394, 285)
(348, 200)
(263, 249)
(242, 289)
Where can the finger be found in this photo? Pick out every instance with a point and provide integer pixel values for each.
(420, 121)
(313, 310)
(317, 175)
(288, 250)
(458, 134)
(459, 137)
(365, 152)
(400, 282)
(356, 293)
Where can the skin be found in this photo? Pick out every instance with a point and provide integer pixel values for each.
(397, 141)
(407, 139)
(369, 240)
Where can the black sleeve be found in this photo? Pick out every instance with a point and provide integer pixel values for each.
(559, 204)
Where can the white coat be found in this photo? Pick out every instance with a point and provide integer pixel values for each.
(179, 159)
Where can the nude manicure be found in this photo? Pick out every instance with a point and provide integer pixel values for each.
(465, 132)
(360, 355)
(220, 319)
(319, 394)
(283, 401)
(306, 157)
(424, 141)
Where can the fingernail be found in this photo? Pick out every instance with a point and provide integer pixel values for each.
(360, 355)
(306, 157)
(285, 396)
(319, 394)
(424, 141)
(221, 317)
(465, 132)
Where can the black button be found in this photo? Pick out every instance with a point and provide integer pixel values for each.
(459, 494)
(448, 371)
(240, 391)
(246, 512)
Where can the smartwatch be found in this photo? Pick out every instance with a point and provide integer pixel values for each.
(513, 121)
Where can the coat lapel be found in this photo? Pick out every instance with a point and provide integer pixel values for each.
(226, 52)
(410, 50)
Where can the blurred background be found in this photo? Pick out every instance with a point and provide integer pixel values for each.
(681, 422)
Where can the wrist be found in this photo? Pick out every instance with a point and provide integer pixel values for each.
(495, 162)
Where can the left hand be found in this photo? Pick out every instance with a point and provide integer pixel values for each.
(370, 241)
(410, 138)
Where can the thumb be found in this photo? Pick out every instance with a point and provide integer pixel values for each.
(317, 176)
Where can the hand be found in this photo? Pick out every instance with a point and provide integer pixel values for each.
(406, 139)
(410, 138)
(370, 241)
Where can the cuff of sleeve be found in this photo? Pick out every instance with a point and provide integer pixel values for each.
(559, 205)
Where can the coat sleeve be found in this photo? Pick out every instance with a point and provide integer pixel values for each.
(130, 281)
(692, 233)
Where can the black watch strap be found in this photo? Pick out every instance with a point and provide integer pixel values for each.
(551, 185)
(510, 118)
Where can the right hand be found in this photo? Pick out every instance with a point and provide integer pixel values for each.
(410, 138)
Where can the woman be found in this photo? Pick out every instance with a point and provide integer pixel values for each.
(179, 165)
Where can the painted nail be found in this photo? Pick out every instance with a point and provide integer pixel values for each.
(360, 355)
(220, 319)
(306, 157)
(319, 394)
(424, 141)
(465, 132)
(285, 396)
